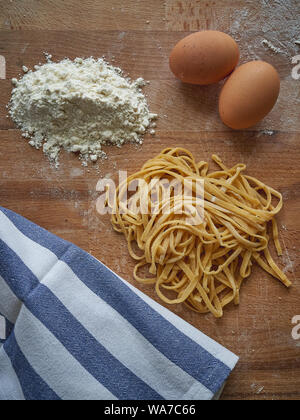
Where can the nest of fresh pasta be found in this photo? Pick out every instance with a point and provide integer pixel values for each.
(196, 232)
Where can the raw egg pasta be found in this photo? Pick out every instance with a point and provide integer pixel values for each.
(201, 265)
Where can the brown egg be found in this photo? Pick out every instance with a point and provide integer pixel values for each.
(249, 95)
(204, 57)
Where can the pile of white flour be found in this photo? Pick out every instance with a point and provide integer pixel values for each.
(80, 106)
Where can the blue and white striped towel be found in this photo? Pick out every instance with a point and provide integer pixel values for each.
(73, 330)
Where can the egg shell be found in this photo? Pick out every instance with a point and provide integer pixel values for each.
(249, 95)
(204, 58)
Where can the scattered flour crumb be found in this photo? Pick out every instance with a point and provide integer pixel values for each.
(267, 133)
(257, 388)
(272, 47)
(289, 268)
(48, 57)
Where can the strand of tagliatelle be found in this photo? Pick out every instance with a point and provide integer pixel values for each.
(203, 263)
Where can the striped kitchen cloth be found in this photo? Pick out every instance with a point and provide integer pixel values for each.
(71, 329)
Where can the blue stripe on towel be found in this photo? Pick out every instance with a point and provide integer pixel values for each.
(9, 328)
(32, 384)
(18, 277)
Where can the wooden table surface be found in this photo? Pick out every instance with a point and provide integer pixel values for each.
(140, 35)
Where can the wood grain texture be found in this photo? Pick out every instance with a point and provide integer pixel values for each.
(63, 200)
